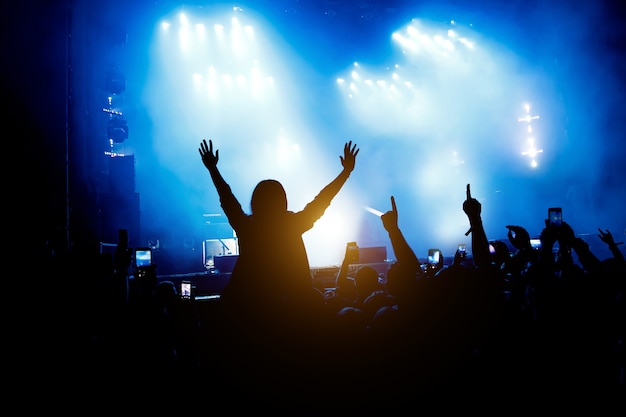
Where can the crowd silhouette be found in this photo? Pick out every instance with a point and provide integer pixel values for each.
(519, 325)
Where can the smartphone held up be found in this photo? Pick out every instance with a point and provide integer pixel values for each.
(352, 252)
(555, 216)
(434, 260)
(462, 250)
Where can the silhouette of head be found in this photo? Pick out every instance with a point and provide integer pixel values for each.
(501, 252)
(401, 281)
(268, 198)
(366, 281)
(166, 292)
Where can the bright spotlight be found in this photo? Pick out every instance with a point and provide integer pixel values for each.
(373, 211)
(532, 150)
(200, 30)
(183, 19)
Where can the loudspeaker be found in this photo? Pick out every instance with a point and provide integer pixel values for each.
(218, 247)
(122, 175)
(225, 264)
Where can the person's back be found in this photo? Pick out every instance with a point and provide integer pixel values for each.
(272, 255)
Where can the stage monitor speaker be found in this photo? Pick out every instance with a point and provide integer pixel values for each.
(218, 247)
(225, 264)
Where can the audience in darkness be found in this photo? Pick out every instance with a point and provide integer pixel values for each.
(493, 323)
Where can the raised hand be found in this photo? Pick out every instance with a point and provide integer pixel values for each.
(471, 206)
(209, 159)
(606, 237)
(518, 236)
(348, 160)
(549, 235)
(390, 218)
(566, 234)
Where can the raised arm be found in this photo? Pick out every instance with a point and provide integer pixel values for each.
(401, 248)
(480, 244)
(348, 161)
(350, 257)
(607, 238)
(230, 204)
(319, 204)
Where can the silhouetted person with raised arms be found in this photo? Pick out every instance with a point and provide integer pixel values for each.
(271, 309)
(272, 256)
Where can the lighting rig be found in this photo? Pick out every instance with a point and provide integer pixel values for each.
(532, 150)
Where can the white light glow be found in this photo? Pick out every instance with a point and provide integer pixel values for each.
(184, 38)
(469, 44)
(373, 211)
(200, 30)
(183, 19)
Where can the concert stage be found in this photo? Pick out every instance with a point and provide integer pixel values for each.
(211, 282)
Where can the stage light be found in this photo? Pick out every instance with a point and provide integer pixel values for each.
(532, 150)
